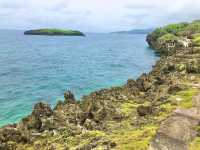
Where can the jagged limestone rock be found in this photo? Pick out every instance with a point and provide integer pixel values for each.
(69, 98)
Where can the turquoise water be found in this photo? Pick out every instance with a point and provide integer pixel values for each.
(35, 68)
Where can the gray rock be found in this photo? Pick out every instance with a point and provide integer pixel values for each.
(69, 98)
(177, 131)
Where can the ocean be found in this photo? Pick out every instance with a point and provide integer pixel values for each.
(42, 68)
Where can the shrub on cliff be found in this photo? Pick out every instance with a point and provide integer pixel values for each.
(158, 33)
(175, 28)
(192, 29)
(168, 38)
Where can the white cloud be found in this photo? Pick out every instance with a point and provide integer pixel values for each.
(96, 15)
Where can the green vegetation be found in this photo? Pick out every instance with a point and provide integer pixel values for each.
(125, 139)
(195, 145)
(172, 32)
(172, 29)
(83, 139)
(166, 110)
(196, 39)
(63, 141)
(175, 29)
(192, 28)
(54, 32)
(158, 33)
(168, 38)
(184, 98)
(135, 139)
(132, 133)
(128, 107)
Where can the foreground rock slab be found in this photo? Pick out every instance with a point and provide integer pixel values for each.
(178, 130)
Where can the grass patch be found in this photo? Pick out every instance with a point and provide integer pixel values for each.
(195, 145)
(196, 39)
(72, 142)
(83, 139)
(184, 98)
(135, 139)
(128, 107)
(167, 109)
(168, 38)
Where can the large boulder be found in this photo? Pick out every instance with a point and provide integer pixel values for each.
(144, 110)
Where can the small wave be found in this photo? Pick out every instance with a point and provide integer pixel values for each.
(117, 66)
(4, 74)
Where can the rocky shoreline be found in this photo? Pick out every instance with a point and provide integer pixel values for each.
(129, 117)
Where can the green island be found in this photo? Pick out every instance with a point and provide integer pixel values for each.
(158, 111)
(54, 32)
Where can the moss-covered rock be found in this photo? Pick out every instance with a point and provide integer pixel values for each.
(144, 110)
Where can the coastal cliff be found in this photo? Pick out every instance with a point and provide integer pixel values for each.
(158, 111)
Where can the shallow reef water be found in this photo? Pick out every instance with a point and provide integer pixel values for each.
(41, 68)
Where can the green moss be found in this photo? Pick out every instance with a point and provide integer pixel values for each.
(195, 145)
(129, 138)
(175, 28)
(192, 28)
(196, 39)
(83, 139)
(128, 107)
(61, 141)
(135, 139)
(166, 110)
(92, 134)
(184, 98)
(181, 67)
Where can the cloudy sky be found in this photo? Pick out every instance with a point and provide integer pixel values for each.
(95, 15)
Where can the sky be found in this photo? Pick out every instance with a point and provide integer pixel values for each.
(95, 15)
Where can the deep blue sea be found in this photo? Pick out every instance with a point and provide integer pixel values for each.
(35, 68)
